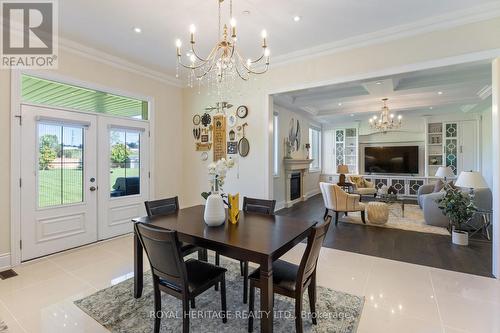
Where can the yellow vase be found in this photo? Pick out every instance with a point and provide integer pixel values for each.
(234, 210)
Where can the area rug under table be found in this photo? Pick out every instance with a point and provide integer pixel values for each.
(116, 309)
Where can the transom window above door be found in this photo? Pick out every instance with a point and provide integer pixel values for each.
(50, 93)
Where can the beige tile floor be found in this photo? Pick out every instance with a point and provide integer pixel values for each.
(400, 297)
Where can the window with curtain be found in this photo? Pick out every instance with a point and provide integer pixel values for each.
(315, 151)
(276, 145)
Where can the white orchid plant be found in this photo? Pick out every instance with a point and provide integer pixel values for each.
(217, 172)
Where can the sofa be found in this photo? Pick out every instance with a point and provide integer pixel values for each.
(361, 186)
(427, 200)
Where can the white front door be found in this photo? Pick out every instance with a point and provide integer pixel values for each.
(58, 180)
(123, 174)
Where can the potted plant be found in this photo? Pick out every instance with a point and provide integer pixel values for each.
(459, 208)
(215, 212)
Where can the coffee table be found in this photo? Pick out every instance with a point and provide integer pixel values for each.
(391, 199)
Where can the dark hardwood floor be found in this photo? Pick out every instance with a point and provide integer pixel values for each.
(408, 246)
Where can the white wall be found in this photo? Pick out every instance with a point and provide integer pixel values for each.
(168, 125)
(311, 179)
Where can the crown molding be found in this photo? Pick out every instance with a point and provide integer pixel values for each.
(436, 23)
(118, 62)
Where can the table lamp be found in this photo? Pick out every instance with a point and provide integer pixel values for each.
(444, 172)
(342, 169)
(471, 180)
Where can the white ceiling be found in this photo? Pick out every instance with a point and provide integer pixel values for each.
(108, 25)
(465, 88)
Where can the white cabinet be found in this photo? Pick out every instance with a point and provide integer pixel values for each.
(346, 148)
(453, 144)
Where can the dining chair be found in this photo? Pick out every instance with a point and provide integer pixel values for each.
(170, 206)
(172, 275)
(339, 201)
(251, 205)
(291, 280)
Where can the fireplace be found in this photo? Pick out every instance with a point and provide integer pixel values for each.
(295, 190)
(295, 173)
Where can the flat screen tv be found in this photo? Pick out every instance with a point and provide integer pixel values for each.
(399, 159)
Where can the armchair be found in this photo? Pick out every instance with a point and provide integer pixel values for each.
(337, 200)
(362, 186)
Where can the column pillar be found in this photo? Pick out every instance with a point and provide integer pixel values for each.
(496, 165)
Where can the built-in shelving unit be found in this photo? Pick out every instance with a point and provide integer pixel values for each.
(346, 148)
(434, 147)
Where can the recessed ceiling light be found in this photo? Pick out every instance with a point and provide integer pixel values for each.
(378, 82)
(297, 18)
(352, 114)
(137, 30)
(440, 92)
(430, 108)
(246, 12)
(340, 104)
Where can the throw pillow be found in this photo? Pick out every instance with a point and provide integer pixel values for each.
(359, 181)
(438, 186)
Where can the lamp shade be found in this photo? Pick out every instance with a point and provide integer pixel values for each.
(471, 179)
(444, 172)
(342, 168)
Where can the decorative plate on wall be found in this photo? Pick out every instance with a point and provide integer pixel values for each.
(196, 119)
(204, 156)
(242, 111)
(231, 120)
(206, 119)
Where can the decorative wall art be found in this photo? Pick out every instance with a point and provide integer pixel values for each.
(232, 147)
(206, 119)
(231, 120)
(294, 136)
(196, 119)
(223, 133)
(232, 135)
(219, 136)
(243, 144)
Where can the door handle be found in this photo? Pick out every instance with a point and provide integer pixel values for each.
(92, 188)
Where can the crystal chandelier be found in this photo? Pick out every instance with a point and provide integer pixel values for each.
(386, 120)
(224, 63)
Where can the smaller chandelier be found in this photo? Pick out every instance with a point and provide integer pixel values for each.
(224, 63)
(386, 120)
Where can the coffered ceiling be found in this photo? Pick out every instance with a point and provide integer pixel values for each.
(109, 25)
(464, 88)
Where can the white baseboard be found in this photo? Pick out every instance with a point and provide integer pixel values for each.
(4, 261)
(312, 193)
(279, 205)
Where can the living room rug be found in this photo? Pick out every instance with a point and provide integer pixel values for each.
(116, 309)
(412, 221)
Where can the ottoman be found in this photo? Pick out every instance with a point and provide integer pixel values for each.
(377, 212)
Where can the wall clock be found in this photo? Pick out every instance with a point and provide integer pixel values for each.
(242, 111)
(196, 119)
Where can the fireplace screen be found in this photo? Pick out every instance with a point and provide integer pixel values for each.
(295, 186)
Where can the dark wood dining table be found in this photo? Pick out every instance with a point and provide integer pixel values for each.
(257, 238)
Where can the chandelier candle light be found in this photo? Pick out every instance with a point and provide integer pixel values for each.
(386, 120)
(224, 62)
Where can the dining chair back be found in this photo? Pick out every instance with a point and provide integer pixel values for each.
(310, 258)
(164, 253)
(162, 206)
(261, 206)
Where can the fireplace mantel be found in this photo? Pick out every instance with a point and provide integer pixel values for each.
(292, 164)
(295, 166)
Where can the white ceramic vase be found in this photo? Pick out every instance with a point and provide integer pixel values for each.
(459, 237)
(215, 213)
